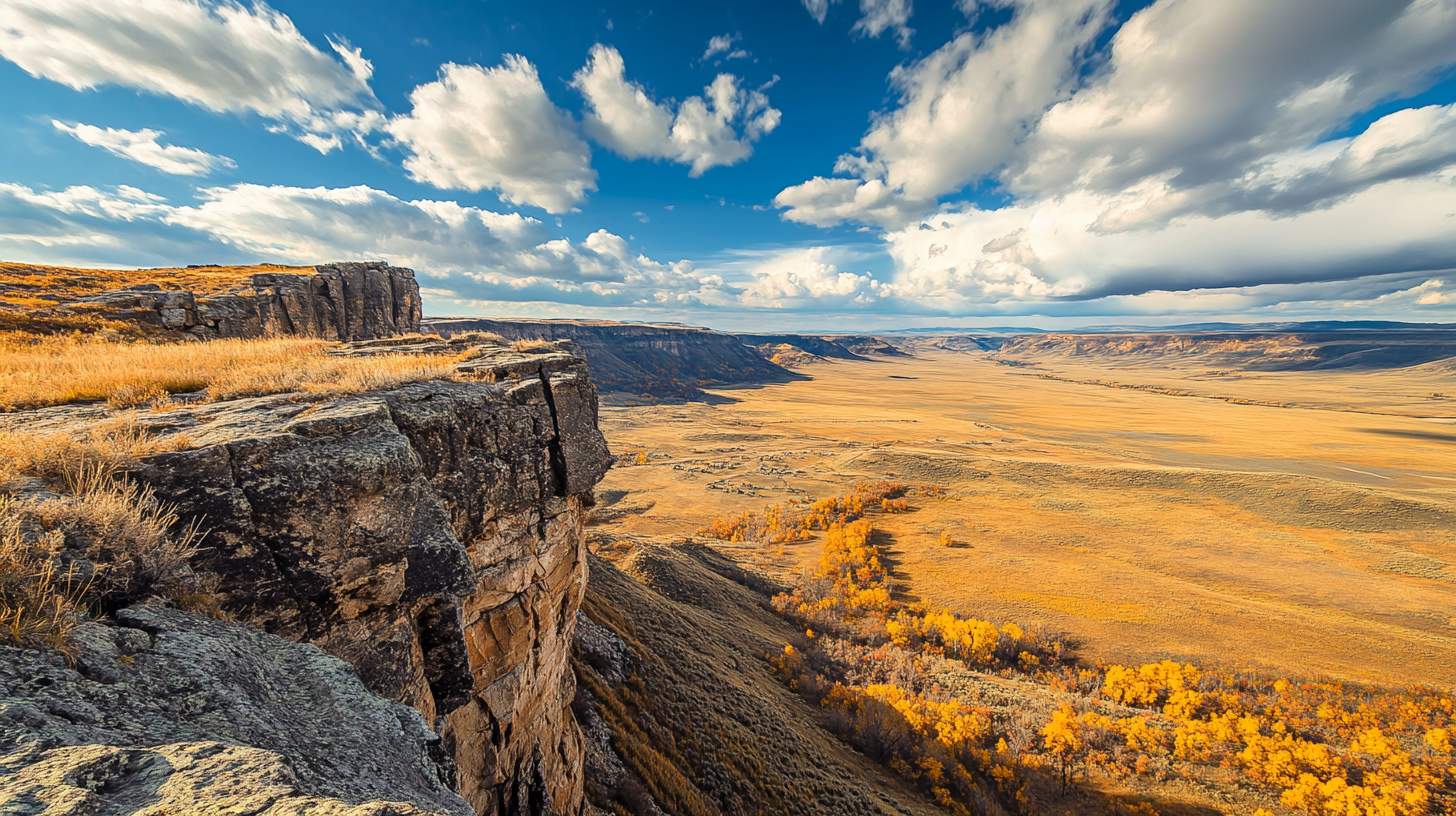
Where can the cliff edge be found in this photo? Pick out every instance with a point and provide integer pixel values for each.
(430, 535)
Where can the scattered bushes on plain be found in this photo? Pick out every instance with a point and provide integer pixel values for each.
(1322, 748)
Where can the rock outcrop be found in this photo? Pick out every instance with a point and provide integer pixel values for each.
(341, 301)
(167, 712)
(430, 535)
(666, 361)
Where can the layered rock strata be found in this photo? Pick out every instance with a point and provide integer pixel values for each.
(341, 301)
(167, 712)
(664, 361)
(430, 535)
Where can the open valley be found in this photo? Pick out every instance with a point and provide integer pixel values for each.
(1293, 522)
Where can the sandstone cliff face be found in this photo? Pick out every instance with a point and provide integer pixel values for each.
(167, 712)
(661, 360)
(430, 535)
(342, 301)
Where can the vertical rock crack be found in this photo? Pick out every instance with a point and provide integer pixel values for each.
(553, 447)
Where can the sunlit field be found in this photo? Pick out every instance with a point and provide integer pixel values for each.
(1295, 523)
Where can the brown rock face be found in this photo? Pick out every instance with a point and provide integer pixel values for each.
(670, 361)
(431, 536)
(341, 301)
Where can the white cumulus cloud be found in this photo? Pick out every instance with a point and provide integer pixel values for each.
(494, 128)
(715, 129)
(141, 146)
(723, 44)
(1203, 89)
(808, 279)
(876, 17)
(217, 54)
(1192, 159)
(825, 202)
(818, 9)
(1048, 250)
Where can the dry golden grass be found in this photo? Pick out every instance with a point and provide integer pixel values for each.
(1310, 540)
(38, 601)
(131, 540)
(63, 458)
(64, 370)
(32, 286)
(104, 541)
(29, 292)
(107, 543)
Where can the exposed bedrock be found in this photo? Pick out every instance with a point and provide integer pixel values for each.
(167, 712)
(430, 535)
(340, 301)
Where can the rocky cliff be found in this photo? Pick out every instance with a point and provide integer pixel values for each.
(340, 301)
(429, 535)
(166, 712)
(665, 361)
(817, 346)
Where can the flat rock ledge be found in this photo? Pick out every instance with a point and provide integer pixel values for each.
(165, 712)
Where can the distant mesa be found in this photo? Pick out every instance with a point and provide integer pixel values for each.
(1304, 347)
(661, 361)
(821, 347)
(867, 345)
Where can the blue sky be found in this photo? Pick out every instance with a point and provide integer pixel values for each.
(810, 164)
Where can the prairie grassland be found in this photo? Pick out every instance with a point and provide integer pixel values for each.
(1304, 541)
(62, 370)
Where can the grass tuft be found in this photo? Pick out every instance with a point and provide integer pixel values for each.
(39, 600)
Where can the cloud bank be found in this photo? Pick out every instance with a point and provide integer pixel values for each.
(217, 54)
(471, 252)
(1202, 151)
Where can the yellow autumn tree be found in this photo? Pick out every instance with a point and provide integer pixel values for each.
(1062, 737)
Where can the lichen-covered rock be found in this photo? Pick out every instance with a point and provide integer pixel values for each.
(168, 712)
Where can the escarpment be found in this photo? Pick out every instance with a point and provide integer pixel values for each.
(338, 301)
(659, 360)
(429, 535)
